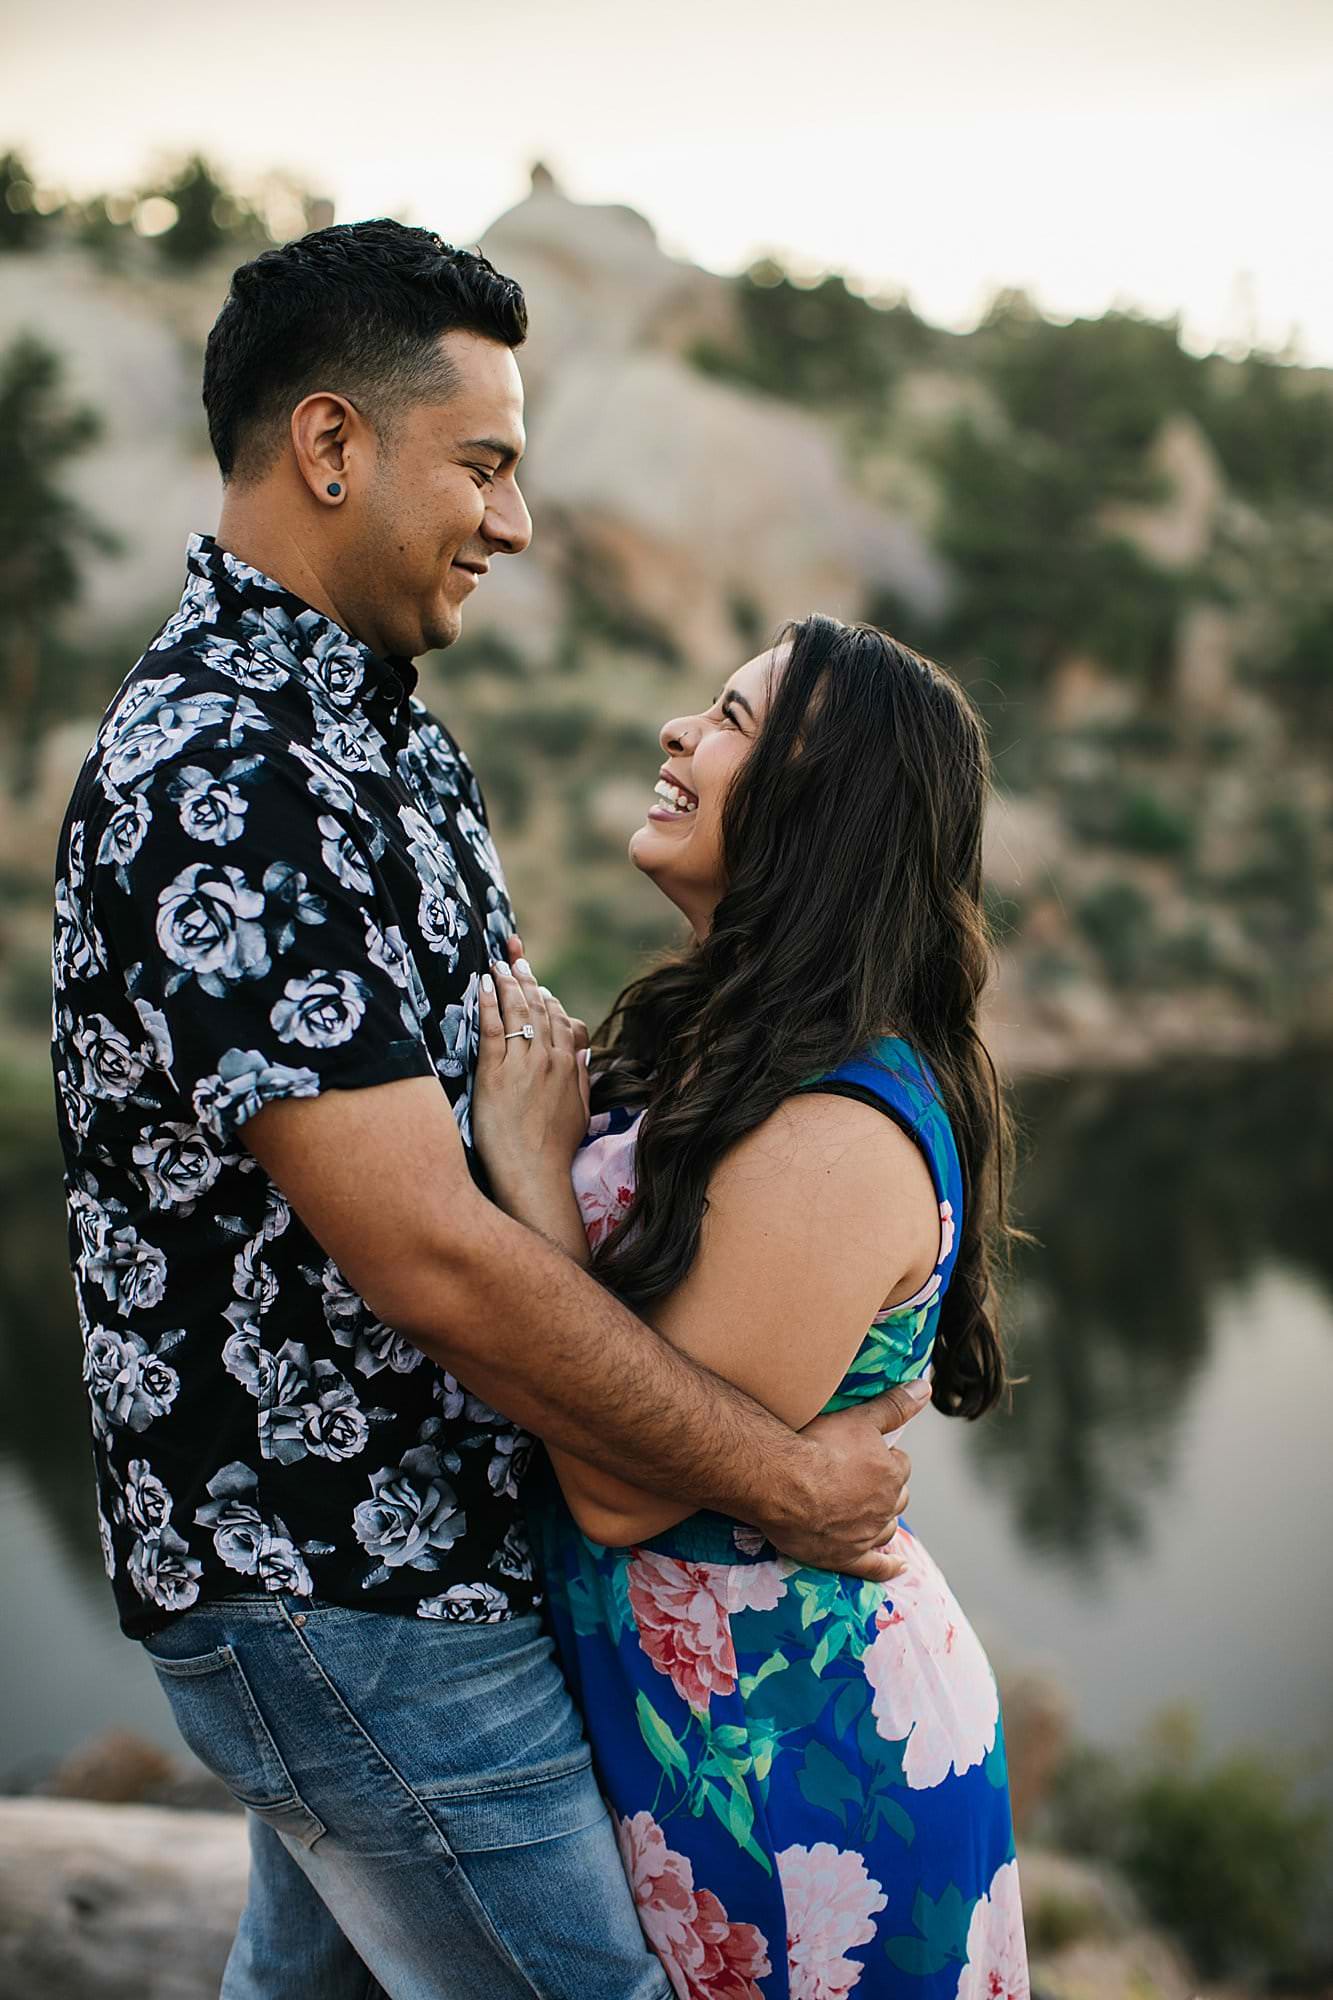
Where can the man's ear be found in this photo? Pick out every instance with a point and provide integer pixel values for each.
(331, 444)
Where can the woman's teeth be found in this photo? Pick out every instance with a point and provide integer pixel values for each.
(680, 802)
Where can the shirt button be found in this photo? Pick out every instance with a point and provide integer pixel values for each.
(298, 1618)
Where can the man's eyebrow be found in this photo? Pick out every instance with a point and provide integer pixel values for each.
(505, 451)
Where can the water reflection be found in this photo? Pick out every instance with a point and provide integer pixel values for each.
(1146, 1195)
(43, 1426)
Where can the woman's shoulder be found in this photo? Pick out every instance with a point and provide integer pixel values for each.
(890, 1071)
(894, 1076)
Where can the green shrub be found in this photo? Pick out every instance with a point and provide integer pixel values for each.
(1057, 1920)
(487, 656)
(20, 223)
(1136, 735)
(1036, 577)
(1086, 1809)
(1272, 428)
(1149, 824)
(818, 343)
(29, 990)
(1228, 1861)
(747, 618)
(558, 730)
(1221, 1855)
(1101, 387)
(1300, 669)
(1281, 880)
(1190, 956)
(604, 948)
(596, 611)
(46, 535)
(501, 772)
(1117, 920)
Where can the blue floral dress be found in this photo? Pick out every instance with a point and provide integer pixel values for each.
(807, 1772)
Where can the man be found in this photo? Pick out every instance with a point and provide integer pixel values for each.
(276, 895)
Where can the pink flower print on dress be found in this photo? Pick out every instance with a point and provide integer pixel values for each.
(946, 1229)
(936, 1278)
(603, 1175)
(831, 1903)
(733, 1956)
(997, 1959)
(932, 1681)
(705, 1956)
(752, 1586)
(682, 1619)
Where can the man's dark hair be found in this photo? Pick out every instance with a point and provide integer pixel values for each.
(356, 309)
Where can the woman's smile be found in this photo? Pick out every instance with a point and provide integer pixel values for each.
(678, 802)
(686, 865)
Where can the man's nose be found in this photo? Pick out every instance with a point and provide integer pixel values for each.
(508, 525)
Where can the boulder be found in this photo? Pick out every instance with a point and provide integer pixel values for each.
(105, 1902)
(127, 344)
(689, 496)
(141, 1903)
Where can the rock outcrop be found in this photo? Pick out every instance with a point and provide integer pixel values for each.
(116, 1902)
(139, 1903)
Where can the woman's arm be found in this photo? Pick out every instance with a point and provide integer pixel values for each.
(530, 1108)
(550, 1206)
(814, 1220)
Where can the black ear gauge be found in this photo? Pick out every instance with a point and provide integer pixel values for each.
(334, 488)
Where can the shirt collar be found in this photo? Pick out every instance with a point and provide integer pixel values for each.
(342, 670)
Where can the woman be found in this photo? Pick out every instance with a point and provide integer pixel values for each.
(796, 1137)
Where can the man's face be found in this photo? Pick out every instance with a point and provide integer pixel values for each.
(443, 501)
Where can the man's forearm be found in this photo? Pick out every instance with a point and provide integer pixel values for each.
(524, 1328)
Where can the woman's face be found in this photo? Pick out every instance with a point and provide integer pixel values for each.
(679, 844)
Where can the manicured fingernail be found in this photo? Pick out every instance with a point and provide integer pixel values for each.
(917, 1392)
(503, 969)
(487, 983)
(545, 992)
(521, 965)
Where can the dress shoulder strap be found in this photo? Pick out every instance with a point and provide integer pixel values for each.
(897, 1079)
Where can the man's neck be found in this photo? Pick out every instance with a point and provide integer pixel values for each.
(257, 535)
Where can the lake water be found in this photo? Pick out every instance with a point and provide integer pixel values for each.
(1151, 1524)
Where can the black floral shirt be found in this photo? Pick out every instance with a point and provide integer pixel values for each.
(275, 878)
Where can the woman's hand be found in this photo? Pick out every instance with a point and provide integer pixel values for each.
(530, 1098)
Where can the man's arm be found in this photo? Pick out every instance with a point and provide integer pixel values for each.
(813, 1219)
(379, 1177)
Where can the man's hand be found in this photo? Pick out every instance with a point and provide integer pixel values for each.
(845, 1510)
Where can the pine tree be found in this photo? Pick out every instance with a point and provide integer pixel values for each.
(45, 534)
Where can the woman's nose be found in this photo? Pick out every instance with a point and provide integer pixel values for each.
(676, 734)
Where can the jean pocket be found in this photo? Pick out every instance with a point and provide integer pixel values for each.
(547, 1805)
(218, 1716)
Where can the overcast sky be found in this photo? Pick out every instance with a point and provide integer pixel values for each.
(1171, 154)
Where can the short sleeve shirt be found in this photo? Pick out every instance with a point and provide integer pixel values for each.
(275, 878)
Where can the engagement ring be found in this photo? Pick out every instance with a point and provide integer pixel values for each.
(526, 1032)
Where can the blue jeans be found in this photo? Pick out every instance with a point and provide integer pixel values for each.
(424, 1820)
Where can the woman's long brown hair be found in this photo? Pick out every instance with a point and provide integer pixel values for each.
(851, 840)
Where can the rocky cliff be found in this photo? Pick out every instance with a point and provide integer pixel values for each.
(709, 457)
